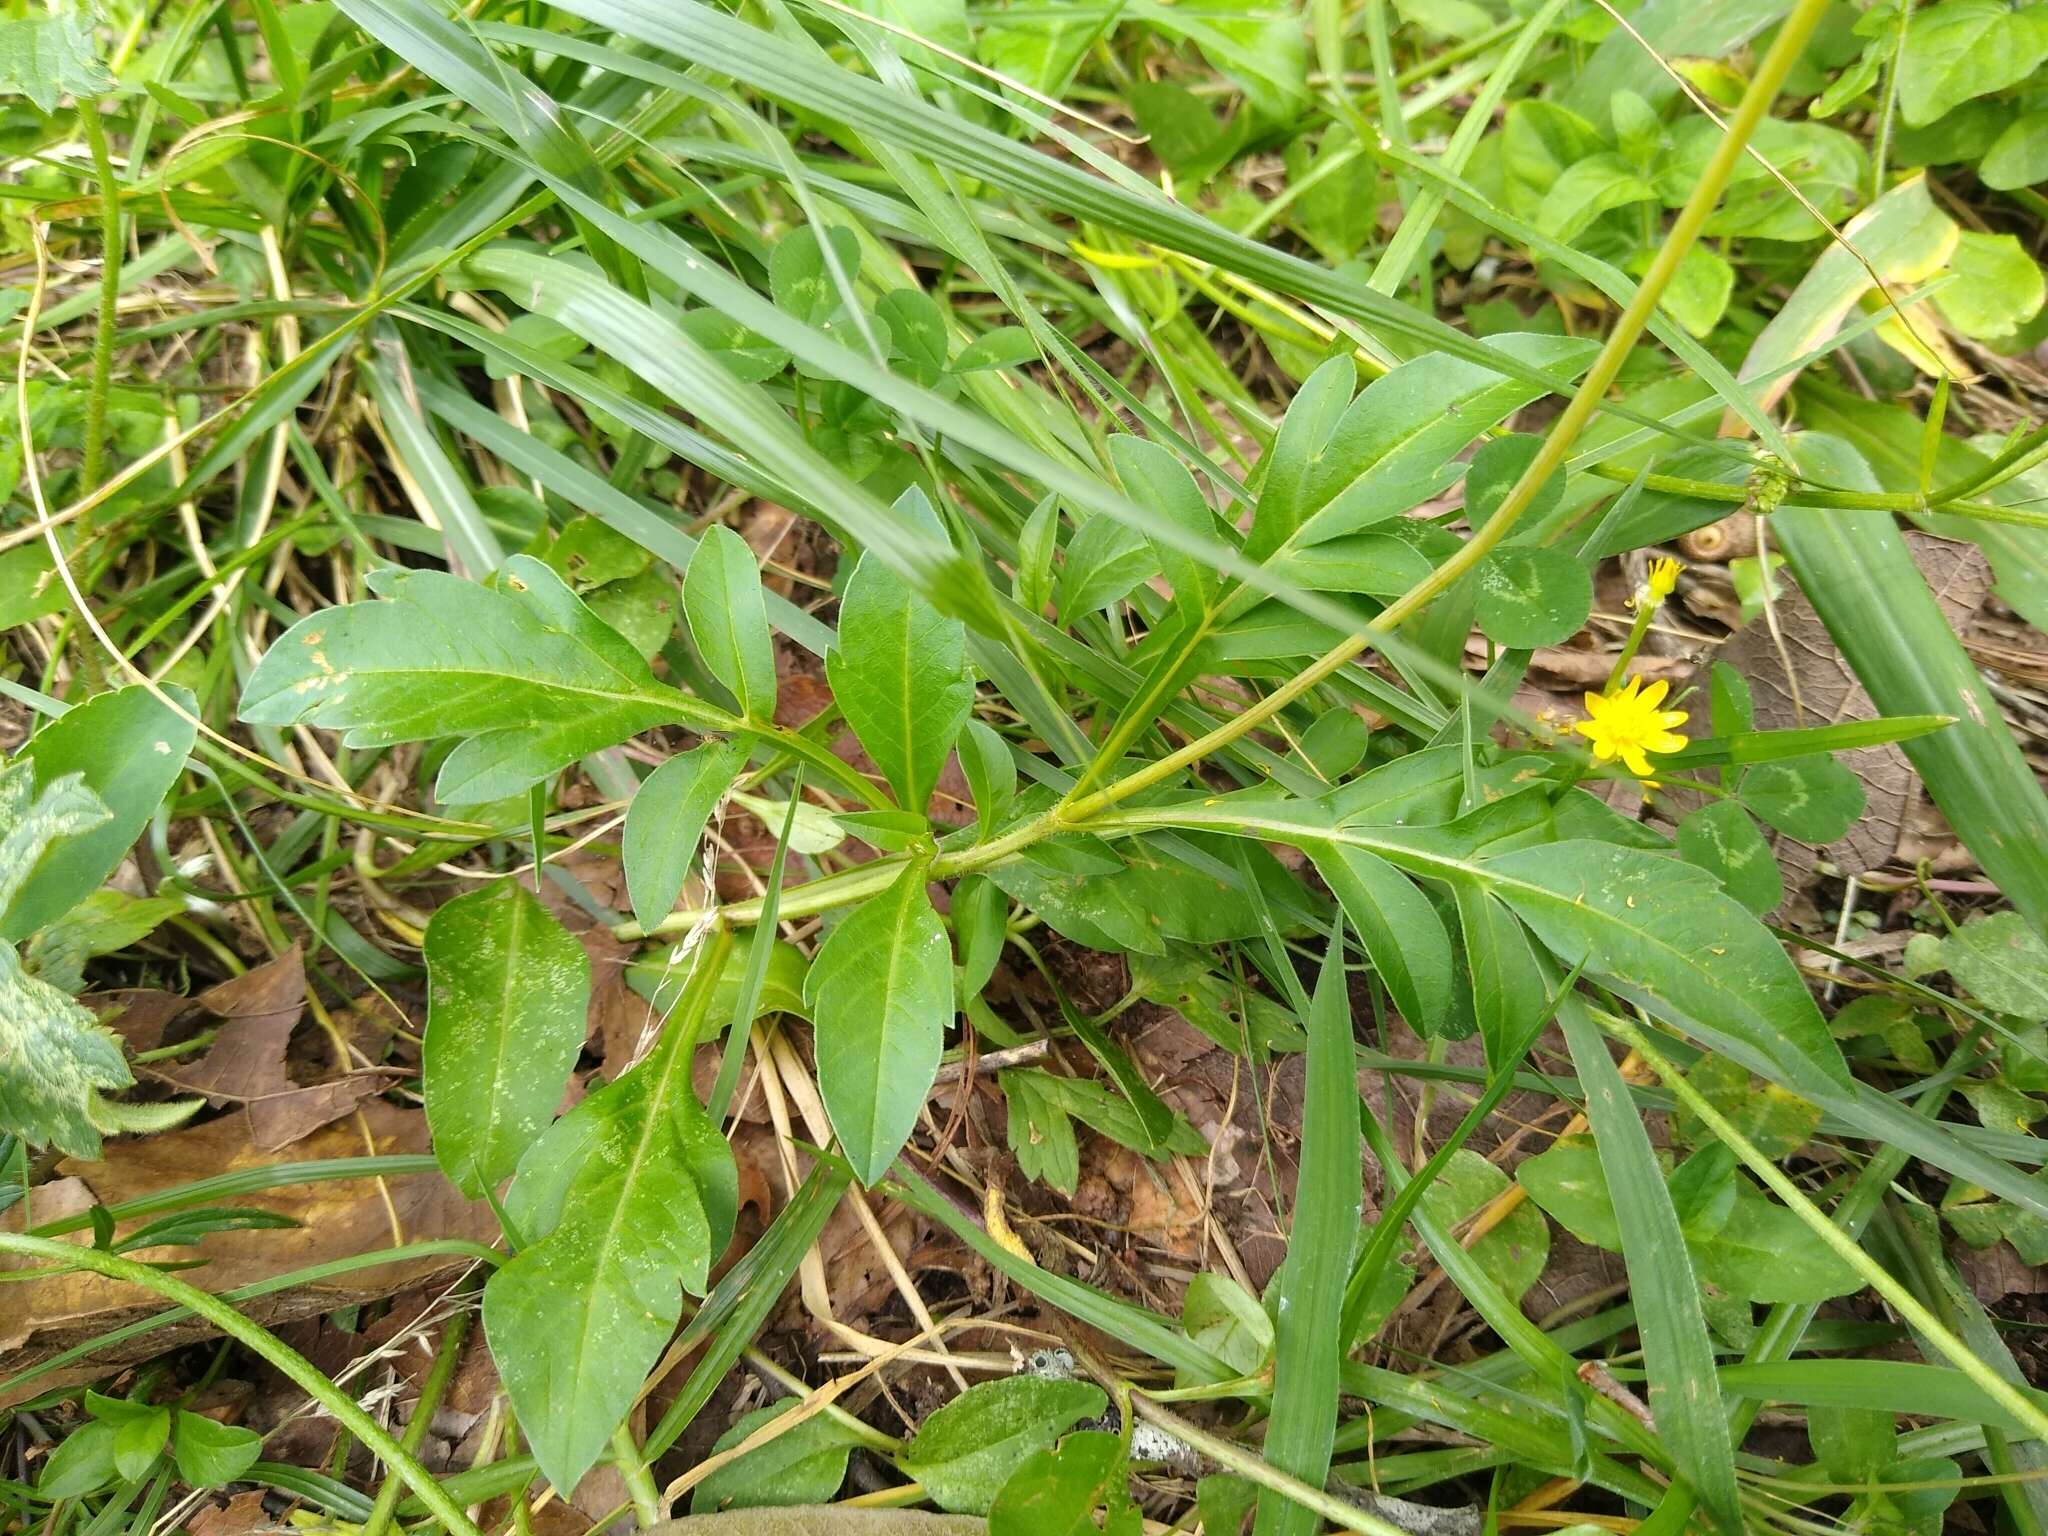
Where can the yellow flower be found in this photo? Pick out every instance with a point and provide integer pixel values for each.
(1627, 724)
(1663, 581)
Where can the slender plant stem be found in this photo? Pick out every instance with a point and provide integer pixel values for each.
(431, 1390)
(296, 1368)
(102, 382)
(817, 896)
(2009, 1397)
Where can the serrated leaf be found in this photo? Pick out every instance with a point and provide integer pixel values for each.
(899, 673)
(527, 675)
(1040, 1134)
(45, 55)
(665, 823)
(624, 1202)
(128, 747)
(507, 991)
(881, 993)
(966, 1451)
(729, 620)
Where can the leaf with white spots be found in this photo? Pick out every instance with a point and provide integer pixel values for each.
(507, 990)
(128, 747)
(54, 1056)
(625, 1202)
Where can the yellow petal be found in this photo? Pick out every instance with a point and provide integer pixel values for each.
(1654, 694)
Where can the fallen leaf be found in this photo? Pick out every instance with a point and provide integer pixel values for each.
(246, 1063)
(338, 1219)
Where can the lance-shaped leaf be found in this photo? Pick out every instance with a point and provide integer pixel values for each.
(881, 992)
(624, 1202)
(666, 820)
(527, 674)
(507, 992)
(1664, 932)
(729, 620)
(899, 673)
(1400, 930)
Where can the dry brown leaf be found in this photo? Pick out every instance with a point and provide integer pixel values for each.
(339, 1219)
(246, 1063)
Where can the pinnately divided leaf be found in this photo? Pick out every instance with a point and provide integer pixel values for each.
(623, 1203)
(526, 674)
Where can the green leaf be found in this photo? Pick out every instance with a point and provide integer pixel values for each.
(1662, 932)
(1995, 286)
(966, 1451)
(1721, 839)
(1081, 1488)
(1764, 1252)
(991, 774)
(1514, 1253)
(1105, 561)
(804, 1465)
(1039, 1132)
(881, 993)
(2019, 157)
(1961, 49)
(211, 1454)
(1228, 1321)
(82, 1463)
(624, 1200)
(1778, 1122)
(129, 748)
(1685, 1397)
(917, 330)
(665, 822)
(1529, 595)
(1153, 476)
(55, 1058)
(729, 621)
(45, 55)
(1309, 1288)
(899, 673)
(1509, 993)
(1008, 346)
(138, 1441)
(2001, 961)
(507, 990)
(1400, 930)
(527, 675)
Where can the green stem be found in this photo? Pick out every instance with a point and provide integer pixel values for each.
(639, 1481)
(102, 383)
(295, 1367)
(1948, 502)
(820, 895)
(431, 1390)
(1875, 1275)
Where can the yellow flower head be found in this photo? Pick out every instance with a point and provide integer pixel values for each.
(1662, 582)
(1627, 724)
